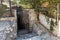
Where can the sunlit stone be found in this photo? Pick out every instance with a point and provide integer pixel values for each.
(59, 28)
(11, 35)
(7, 31)
(7, 28)
(11, 29)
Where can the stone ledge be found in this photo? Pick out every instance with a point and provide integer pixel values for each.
(8, 18)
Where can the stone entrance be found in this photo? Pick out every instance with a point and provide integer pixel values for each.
(22, 21)
(20, 24)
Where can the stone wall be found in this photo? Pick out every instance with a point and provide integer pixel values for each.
(25, 18)
(8, 28)
(40, 28)
(28, 17)
(43, 20)
(32, 19)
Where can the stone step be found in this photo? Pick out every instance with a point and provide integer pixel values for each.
(21, 32)
(29, 36)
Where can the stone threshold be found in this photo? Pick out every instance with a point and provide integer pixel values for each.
(8, 18)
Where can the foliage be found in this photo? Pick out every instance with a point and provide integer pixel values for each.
(15, 1)
(47, 19)
(51, 25)
(3, 9)
(42, 1)
(23, 3)
(36, 4)
(54, 1)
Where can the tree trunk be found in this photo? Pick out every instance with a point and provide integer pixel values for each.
(10, 7)
(57, 14)
(38, 17)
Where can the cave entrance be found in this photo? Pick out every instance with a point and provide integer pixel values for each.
(20, 23)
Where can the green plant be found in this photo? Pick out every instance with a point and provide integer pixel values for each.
(47, 19)
(36, 5)
(51, 25)
(2, 9)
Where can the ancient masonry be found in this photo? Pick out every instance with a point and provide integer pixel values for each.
(8, 28)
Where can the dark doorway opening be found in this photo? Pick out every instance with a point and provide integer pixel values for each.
(20, 23)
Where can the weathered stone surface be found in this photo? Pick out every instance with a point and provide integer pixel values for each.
(43, 20)
(39, 29)
(29, 36)
(32, 19)
(25, 18)
(8, 29)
